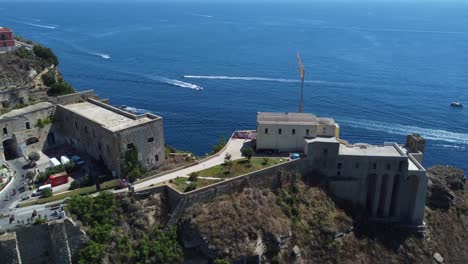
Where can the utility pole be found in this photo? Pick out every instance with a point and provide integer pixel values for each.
(302, 72)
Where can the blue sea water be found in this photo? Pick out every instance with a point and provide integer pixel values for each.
(382, 70)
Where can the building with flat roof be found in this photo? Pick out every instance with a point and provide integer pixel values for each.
(106, 133)
(387, 181)
(7, 39)
(285, 132)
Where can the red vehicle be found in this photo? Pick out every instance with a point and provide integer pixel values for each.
(58, 179)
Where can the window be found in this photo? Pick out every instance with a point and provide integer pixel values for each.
(339, 165)
(338, 173)
(86, 129)
(356, 165)
(389, 166)
(99, 145)
(5, 131)
(325, 152)
(28, 126)
(266, 130)
(151, 139)
(324, 131)
(76, 125)
(108, 149)
(374, 166)
(294, 131)
(307, 132)
(279, 131)
(130, 146)
(156, 157)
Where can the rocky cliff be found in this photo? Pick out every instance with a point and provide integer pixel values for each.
(301, 224)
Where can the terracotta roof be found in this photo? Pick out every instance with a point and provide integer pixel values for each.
(4, 29)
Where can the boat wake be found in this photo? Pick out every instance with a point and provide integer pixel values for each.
(102, 55)
(396, 129)
(202, 15)
(177, 83)
(36, 25)
(135, 110)
(240, 78)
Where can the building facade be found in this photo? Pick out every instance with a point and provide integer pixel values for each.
(106, 133)
(285, 132)
(388, 181)
(7, 39)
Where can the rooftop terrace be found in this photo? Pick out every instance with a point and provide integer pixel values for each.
(292, 118)
(109, 117)
(370, 150)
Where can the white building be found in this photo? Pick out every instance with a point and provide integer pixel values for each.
(285, 132)
(388, 181)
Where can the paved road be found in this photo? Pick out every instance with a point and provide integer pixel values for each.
(50, 211)
(234, 148)
(18, 181)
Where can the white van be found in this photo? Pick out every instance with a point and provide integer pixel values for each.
(39, 190)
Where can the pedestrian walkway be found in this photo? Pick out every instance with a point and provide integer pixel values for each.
(233, 147)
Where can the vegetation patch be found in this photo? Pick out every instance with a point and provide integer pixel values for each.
(231, 169)
(183, 184)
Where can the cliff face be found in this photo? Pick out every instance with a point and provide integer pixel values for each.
(23, 69)
(301, 224)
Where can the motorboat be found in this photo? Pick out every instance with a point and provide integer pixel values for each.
(456, 104)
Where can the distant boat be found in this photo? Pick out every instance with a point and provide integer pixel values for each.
(456, 104)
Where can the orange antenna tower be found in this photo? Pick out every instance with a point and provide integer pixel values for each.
(302, 72)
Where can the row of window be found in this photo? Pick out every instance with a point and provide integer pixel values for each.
(5, 129)
(374, 166)
(293, 131)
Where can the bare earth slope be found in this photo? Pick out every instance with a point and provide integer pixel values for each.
(271, 223)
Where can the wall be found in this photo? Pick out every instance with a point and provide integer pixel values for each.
(287, 141)
(73, 98)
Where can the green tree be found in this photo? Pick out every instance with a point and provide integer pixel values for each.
(45, 54)
(47, 193)
(92, 253)
(131, 166)
(247, 152)
(74, 185)
(49, 78)
(34, 156)
(192, 186)
(221, 261)
(220, 145)
(60, 88)
(193, 177)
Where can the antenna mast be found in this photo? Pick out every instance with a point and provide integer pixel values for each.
(302, 72)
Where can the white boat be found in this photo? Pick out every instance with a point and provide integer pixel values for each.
(456, 104)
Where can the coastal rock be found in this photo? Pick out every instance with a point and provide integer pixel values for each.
(443, 181)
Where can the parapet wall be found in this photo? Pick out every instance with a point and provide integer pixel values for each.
(266, 178)
(73, 98)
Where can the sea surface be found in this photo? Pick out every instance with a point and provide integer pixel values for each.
(382, 70)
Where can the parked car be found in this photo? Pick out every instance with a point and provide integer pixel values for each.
(77, 160)
(21, 189)
(26, 197)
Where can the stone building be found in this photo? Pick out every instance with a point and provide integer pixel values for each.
(20, 130)
(285, 132)
(106, 133)
(387, 181)
(7, 39)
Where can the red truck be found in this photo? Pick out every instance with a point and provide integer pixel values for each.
(58, 179)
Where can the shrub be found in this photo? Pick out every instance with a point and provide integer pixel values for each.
(34, 156)
(46, 54)
(265, 161)
(193, 176)
(41, 178)
(192, 186)
(220, 145)
(39, 221)
(49, 78)
(74, 185)
(221, 261)
(30, 175)
(131, 166)
(47, 193)
(24, 53)
(60, 88)
(247, 152)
